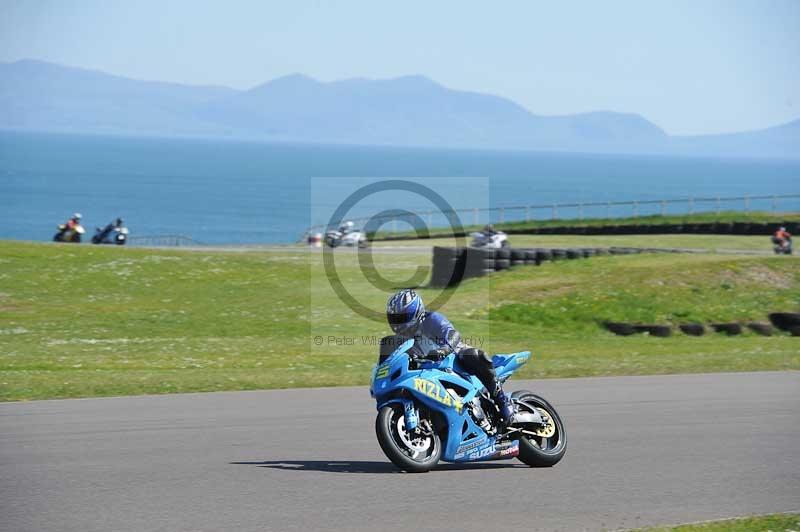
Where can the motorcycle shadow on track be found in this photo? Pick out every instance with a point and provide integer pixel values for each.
(367, 467)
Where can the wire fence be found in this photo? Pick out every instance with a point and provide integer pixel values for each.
(775, 204)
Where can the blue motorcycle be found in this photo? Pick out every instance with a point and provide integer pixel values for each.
(435, 410)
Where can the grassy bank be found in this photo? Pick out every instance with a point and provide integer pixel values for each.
(764, 523)
(78, 321)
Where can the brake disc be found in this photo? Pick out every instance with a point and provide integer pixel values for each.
(415, 442)
(549, 428)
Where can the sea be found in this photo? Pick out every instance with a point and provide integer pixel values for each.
(238, 192)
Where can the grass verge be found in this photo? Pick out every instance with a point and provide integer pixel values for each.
(81, 321)
(764, 523)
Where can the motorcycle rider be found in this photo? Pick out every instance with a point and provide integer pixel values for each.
(103, 233)
(782, 237)
(346, 227)
(488, 230)
(73, 222)
(435, 337)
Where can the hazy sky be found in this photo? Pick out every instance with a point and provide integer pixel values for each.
(689, 66)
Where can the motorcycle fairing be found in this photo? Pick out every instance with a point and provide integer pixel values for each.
(447, 389)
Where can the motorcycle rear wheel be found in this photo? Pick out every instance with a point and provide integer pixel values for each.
(414, 453)
(549, 448)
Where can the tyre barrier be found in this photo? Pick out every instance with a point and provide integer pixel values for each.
(620, 329)
(785, 321)
(731, 329)
(661, 331)
(698, 329)
(692, 329)
(453, 265)
(717, 228)
(764, 329)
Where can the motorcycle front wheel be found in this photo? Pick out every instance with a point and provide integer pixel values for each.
(547, 447)
(410, 451)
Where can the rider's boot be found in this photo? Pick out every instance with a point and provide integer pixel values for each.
(504, 404)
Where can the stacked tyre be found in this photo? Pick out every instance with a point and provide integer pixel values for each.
(479, 262)
(503, 261)
(518, 257)
(448, 266)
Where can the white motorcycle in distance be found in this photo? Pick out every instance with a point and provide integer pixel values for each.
(113, 233)
(489, 240)
(346, 236)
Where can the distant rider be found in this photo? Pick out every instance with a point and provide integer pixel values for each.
(782, 237)
(73, 222)
(116, 225)
(435, 337)
(346, 227)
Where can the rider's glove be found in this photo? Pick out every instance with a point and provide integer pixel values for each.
(436, 354)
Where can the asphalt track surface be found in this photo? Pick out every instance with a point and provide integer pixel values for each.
(642, 451)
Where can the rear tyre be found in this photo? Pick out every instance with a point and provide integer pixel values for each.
(415, 453)
(548, 447)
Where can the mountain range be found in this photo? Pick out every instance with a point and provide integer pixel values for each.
(404, 111)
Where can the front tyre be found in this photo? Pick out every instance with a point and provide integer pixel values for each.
(547, 447)
(412, 452)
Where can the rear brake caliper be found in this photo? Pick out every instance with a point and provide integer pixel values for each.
(548, 428)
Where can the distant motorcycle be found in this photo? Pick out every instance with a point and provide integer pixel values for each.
(783, 246)
(335, 238)
(113, 233)
(495, 240)
(67, 233)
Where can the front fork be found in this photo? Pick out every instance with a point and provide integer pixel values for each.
(411, 416)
